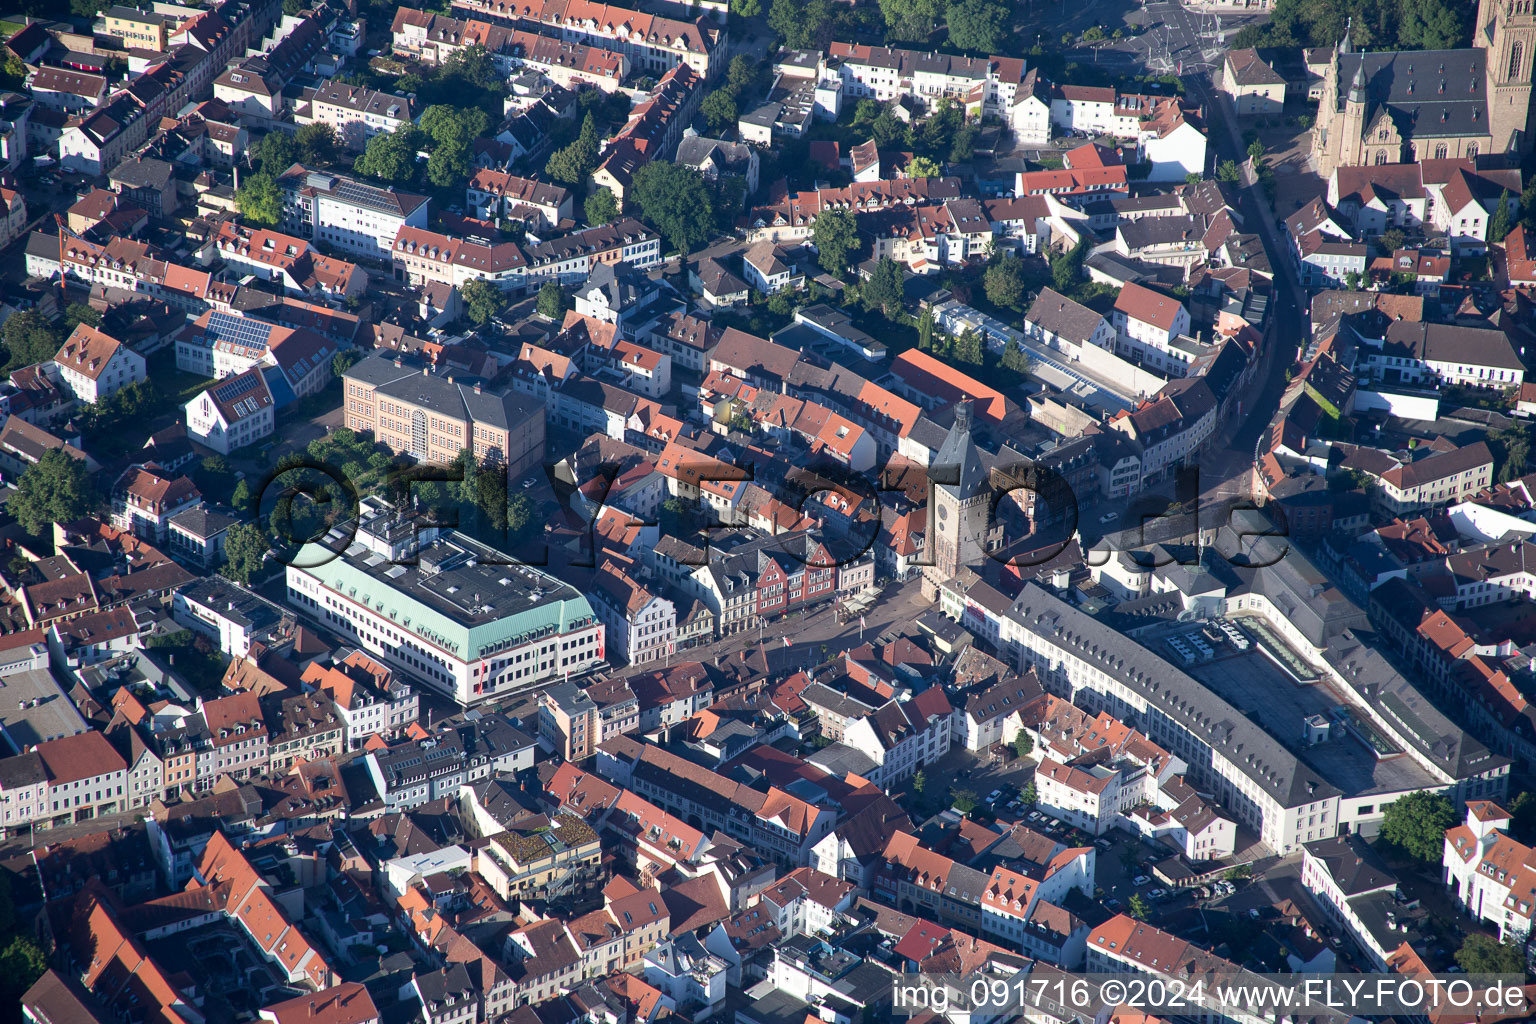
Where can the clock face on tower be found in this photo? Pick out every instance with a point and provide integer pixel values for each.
(943, 512)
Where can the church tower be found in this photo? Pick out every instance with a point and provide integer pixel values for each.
(1506, 30)
(960, 530)
(1352, 132)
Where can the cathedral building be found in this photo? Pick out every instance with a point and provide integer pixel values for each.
(1407, 106)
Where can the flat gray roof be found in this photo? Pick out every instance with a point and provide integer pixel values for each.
(34, 708)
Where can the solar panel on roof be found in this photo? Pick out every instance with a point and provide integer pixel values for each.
(229, 390)
(238, 330)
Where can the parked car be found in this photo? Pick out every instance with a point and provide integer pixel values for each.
(1140, 880)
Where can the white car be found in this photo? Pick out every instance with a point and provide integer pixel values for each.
(1109, 517)
(1140, 880)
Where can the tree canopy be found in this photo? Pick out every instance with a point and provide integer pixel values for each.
(835, 235)
(1416, 824)
(317, 143)
(719, 110)
(453, 131)
(57, 488)
(275, 152)
(911, 20)
(923, 167)
(245, 548)
(1004, 282)
(802, 24)
(980, 26)
(260, 200)
(1482, 954)
(390, 157)
(30, 338)
(551, 302)
(570, 164)
(601, 207)
(675, 199)
(482, 300)
(883, 290)
(1372, 24)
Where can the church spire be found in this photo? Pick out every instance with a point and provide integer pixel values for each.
(1357, 88)
(958, 466)
(1348, 26)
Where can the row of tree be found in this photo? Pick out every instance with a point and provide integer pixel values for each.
(1372, 24)
(979, 26)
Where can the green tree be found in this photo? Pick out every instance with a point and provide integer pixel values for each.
(22, 962)
(1352, 280)
(1137, 906)
(55, 489)
(1431, 24)
(1094, 34)
(601, 207)
(925, 329)
(1004, 282)
(835, 235)
(241, 499)
(1238, 872)
(260, 200)
(801, 24)
(968, 349)
(444, 122)
(276, 152)
(978, 25)
(1014, 357)
(317, 143)
(962, 800)
(390, 157)
(886, 130)
(919, 782)
(1229, 172)
(448, 164)
(1392, 240)
(676, 201)
(1193, 178)
(551, 304)
(13, 73)
(344, 360)
(719, 110)
(883, 290)
(1256, 150)
(483, 300)
(1511, 450)
(911, 20)
(1416, 824)
(519, 513)
(923, 167)
(80, 313)
(1482, 954)
(572, 163)
(1023, 746)
(31, 338)
(491, 499)
(742, 74)
(1500, 224)
(746, 8)
(1066, 267)
(245, 550)
(1029, 796)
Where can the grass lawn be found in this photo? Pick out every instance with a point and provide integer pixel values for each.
(10, 28)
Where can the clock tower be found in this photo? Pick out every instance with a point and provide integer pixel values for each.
(960, 527)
